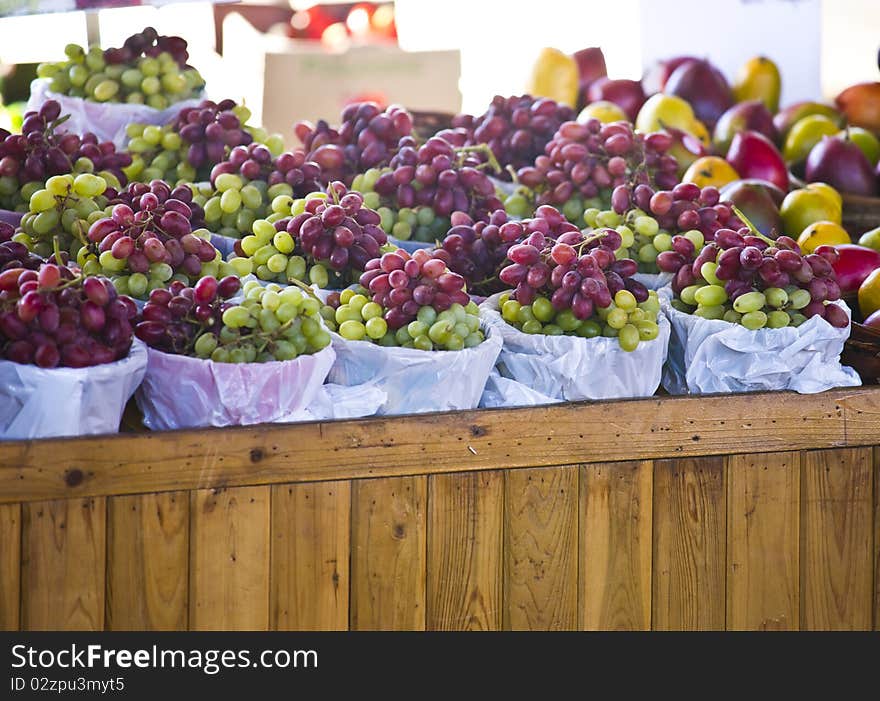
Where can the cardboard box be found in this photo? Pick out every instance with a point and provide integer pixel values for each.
(283, 81)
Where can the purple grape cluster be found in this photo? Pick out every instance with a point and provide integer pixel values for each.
(589, 160)
(574, 270)
(54, 317)
(432, 176)
(478, 250)
(172, 319)
(42, 150)
(339, 230)
(367, 138)
(148, 42)
(517, 129)
(255, 162)
(208, 131)
(402, 284)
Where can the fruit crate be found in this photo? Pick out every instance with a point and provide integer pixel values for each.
(737, 512)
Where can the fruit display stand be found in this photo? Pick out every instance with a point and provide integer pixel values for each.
(756, 511)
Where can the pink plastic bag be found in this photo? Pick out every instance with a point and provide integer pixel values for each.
(183, 392)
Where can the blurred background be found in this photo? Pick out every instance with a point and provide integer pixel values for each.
(295, 59)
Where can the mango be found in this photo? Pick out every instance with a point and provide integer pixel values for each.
(822, 233)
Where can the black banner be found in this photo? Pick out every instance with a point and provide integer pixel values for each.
(261, 665)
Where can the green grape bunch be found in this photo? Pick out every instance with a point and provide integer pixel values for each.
(149, 69)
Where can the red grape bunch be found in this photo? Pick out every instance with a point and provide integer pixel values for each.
(649, 220)
(148, 236)
(14, 254)
(54, 317)
(517, 129)
(256, 162)
(417, 194)
(172, 318)
(367, 138)
(199, 138)
(583, 163)
(745, 278)
(43, 150)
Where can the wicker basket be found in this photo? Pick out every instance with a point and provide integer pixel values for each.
(862, 349)
(860, 214)
(426, 124)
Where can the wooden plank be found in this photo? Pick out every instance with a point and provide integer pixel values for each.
(690, 542)
(435, 443)
(229, 559)
(615, 546)
(877, 538)
(310, 553)
(10, 566)
(465, 539)
(836, 536)
(148, 562)
(763, 497)
(541, 549)
(388, 554)
(63, 564)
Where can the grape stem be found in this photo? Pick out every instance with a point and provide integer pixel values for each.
(492, 162)
(754, 231)
(56, 247)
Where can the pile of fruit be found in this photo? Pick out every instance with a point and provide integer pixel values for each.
(680, 173)
(148, 69)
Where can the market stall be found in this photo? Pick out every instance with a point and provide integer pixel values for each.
(603, 356)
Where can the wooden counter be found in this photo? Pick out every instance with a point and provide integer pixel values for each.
(739, 512)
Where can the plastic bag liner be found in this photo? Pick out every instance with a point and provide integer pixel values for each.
(570, 368)
(183, 392)
(224, 244)
(654, 281)
(414, 381)
(41, 403)
(106, 120)
(710, 355)
(410, 246)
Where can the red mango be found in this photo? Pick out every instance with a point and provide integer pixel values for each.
(753, 155)
(854, 265)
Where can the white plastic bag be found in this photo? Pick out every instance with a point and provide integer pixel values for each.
(502, 392)
(183, 392)
(570, 368)
(654, 281)
(39, 403)
(415, 381)
(410, 246)
(106, 120)
(709, 355)
(224, 244)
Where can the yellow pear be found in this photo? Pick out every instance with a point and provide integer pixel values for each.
(759, 79)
